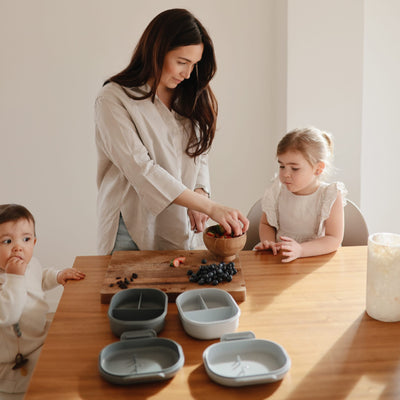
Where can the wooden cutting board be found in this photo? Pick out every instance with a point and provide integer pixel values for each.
(154, 271)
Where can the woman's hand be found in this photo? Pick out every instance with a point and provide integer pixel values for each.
(69, 274)
(198, 219)
(290, 249)
(267, 244)
(230, 219)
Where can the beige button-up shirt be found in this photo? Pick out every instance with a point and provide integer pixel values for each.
(142, 167)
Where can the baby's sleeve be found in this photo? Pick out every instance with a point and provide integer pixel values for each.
(49, 275)
(13, 294)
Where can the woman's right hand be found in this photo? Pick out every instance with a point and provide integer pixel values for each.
(230, 219)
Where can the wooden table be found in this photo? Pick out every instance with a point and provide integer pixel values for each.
(314, 307)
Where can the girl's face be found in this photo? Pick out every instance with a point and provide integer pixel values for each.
(179, 64)
(17, 239)
(297, 174)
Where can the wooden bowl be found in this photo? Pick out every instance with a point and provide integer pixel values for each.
(224, 248)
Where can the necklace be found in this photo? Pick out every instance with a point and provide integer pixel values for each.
(20, 360)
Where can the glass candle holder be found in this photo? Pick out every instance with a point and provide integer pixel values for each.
(383, 277)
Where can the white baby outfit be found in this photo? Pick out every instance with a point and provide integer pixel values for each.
(300, 217)
(22, 300)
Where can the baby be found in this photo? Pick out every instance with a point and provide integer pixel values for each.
(23, 308)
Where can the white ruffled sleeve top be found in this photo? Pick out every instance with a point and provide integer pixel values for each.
(300, 217)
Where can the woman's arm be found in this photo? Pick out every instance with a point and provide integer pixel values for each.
(230, 219)
(334, 228)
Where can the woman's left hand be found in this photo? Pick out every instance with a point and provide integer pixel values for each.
(197, 220)
(290, 249)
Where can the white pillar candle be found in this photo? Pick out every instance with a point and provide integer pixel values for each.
(383, 277)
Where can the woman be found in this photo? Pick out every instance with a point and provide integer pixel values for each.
(155, 123)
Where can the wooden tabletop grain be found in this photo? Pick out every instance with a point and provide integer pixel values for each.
(314, 307)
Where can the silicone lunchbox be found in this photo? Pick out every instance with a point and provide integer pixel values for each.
(239, 360)
(208, 313)
(140, 356)
(137, 309)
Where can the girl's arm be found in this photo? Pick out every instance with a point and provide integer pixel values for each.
(267, 236)
(230, 219)
(266, 231)
(334, 229)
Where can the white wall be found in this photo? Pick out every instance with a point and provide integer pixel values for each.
(56, 55)
(325, 62)
(381, 117)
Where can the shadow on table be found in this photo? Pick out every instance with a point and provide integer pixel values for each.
(104, 389)
(368, 349)
(203, 388)
(276, 278)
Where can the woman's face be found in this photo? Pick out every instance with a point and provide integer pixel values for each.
(179, 64)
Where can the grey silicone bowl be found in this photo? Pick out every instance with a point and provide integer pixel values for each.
(140, 357)
(240, 360)
(138, 308)
(208, 313)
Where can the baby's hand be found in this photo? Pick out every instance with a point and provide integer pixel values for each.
(16, 265)
(69, 274)
(290, 249)
(266, 244)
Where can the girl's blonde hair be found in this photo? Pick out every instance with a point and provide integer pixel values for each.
(314, 144)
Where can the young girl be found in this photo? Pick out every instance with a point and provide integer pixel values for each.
(23, 308)
(302, 215)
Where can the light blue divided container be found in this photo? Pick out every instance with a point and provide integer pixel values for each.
(208, 313)
(239, 360)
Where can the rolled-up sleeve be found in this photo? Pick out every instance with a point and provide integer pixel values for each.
(203, 178)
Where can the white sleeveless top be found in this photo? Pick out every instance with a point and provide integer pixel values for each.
(299, 217)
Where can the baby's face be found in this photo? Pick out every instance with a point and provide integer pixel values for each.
(17, 240)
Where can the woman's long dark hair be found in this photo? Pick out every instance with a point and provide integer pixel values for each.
(193, 98)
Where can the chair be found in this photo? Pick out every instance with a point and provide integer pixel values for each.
(253, 216)
(355, 227)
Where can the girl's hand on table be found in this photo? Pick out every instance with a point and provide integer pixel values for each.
(290, 249)
(267, 244)
(69, 274)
